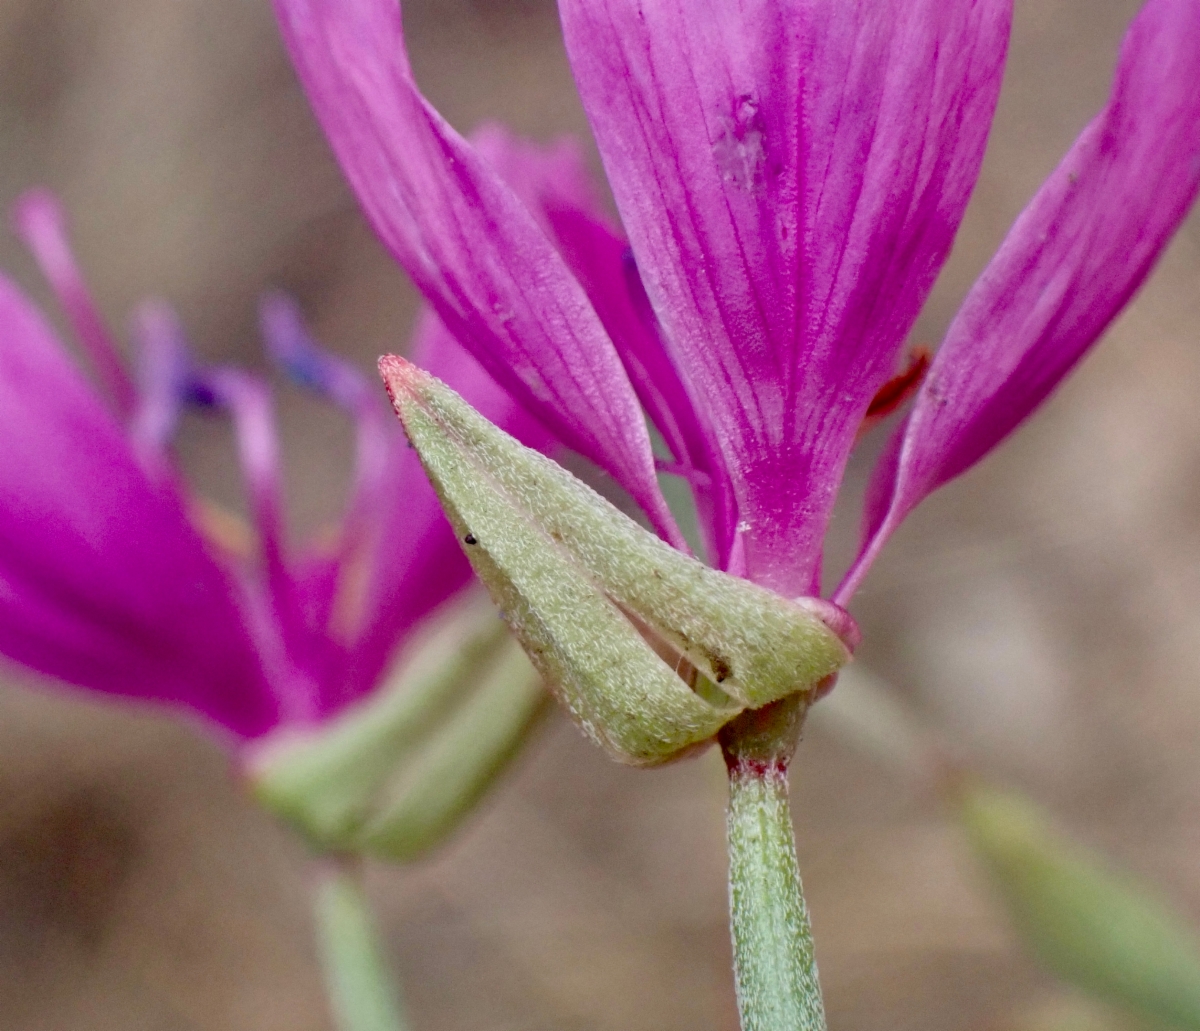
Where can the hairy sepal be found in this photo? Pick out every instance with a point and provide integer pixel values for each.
(395, 774)
(582, 586)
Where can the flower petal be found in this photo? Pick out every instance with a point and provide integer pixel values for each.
(103, 580)
(555, 185)
(791, 174)
(39, 221)
(404, 568)
(469, 243)
(1071, 262)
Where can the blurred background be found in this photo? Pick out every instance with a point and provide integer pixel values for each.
(1044, 612)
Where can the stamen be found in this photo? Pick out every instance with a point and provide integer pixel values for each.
(292, 347)
(168, 376)
(283, 638)
(290, 344)
(897, 390)
(38, 220)
(248, 401)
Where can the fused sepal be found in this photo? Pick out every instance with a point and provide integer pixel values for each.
(590, 593)
(458, 763)
(393, 775)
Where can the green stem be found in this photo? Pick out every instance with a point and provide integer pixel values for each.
(362, 997)
(773, 955)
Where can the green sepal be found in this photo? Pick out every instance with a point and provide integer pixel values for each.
(458, 764)
(339, 783)
(1096, 929)
(583, 586)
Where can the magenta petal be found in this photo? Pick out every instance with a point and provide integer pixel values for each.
(39, 221)
(103, 580)
(437, 350)
(469, 243)
(555, 185)
(1070, 263)
(413, 564)
(791, 175)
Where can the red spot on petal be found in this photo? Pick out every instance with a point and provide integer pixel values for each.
(898, 389)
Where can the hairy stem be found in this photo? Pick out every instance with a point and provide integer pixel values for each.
(774, 960)
(362, 996)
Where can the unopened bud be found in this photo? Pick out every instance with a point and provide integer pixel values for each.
(610, 615)
(395, 773)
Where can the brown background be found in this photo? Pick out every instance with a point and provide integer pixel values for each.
(1044, 612)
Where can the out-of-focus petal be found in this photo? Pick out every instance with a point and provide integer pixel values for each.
(472, 247)
(791, 174)
(103, 580)
(414, 561)
(39, 221)
(409, 567)
(1071, 262)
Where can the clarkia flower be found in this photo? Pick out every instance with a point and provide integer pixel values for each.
(790, 175)
(115, 578)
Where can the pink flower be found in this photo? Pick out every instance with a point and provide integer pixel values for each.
(790, 175)
(113, 577)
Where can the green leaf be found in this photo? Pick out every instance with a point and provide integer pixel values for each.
(1099, 930)
(596, 600)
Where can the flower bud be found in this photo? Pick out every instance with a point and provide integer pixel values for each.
(394, 774)
(650, 650)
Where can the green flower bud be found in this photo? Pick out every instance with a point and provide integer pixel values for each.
(650, 650)
(395, 774)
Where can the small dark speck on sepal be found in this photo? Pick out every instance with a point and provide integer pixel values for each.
(470, 539)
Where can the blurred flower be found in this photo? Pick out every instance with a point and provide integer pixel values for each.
(791, 176)
(113, 577)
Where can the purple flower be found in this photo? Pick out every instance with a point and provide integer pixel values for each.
(113, 577)
(790, 175)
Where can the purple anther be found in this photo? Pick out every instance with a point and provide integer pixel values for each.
(167, 374)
